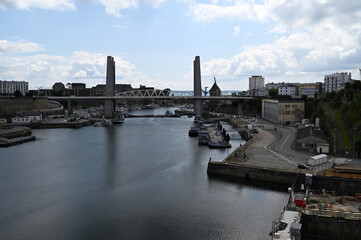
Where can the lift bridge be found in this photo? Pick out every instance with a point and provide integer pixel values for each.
(143, 94)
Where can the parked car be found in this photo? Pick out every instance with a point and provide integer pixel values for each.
(302, 166)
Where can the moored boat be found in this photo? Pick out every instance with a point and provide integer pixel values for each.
(119, 119)
(220, 144)
(193, 132)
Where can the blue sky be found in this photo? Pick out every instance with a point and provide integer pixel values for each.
(154, 42)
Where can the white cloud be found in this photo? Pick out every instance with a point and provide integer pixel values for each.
(155, 3)
(318, 37)
(9, 47)
(114, 7)
(235, 10)
(236, 31)
(44, 70)
(43, 4)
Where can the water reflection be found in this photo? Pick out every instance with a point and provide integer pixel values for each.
(111, 151)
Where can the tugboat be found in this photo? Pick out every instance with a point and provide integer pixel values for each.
(119, 118)
(193, 132)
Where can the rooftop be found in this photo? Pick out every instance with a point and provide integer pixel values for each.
(311, 131)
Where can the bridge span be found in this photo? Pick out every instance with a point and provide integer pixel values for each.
(143, 94)
(103, 98)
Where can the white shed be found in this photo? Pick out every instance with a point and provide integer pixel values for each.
(323, 148)
(317, 160)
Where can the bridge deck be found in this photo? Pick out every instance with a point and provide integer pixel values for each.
(76, 98)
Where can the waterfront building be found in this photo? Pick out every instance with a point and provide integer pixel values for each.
(10, 87)
(337, 81)
(310, 89)
(292, 90)
(281, 111)
(27, 117)
(312, 138)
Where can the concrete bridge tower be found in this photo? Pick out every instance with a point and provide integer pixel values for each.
(110, 87)
(197, 87)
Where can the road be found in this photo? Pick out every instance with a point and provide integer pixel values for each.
(273, 149)
(283, 145)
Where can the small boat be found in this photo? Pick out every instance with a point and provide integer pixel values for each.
(105, 123)
(193, 132)
(119, 119)
(203, 138)
(221, 144)
(151, 106)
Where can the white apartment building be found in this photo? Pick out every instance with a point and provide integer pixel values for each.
(289, 89)
(9, 87)
(337, 81)
(310, 89)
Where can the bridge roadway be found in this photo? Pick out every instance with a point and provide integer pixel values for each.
(77, 98)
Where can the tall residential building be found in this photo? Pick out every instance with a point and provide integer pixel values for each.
(10, 87)
(256, 86)
(256, 82)
(337, 81)
(310, 89)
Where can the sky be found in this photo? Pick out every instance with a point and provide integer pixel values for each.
(154, 42)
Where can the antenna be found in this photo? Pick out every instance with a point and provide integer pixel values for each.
(359, 73)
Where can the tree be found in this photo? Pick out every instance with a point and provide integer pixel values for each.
(17, 93)
(273, 92)
(29, 94)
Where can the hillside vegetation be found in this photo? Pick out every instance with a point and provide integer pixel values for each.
(340, 115)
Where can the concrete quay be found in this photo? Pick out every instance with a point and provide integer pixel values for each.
(10, 136)
(269, 156)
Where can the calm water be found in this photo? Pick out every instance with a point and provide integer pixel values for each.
(145, 179)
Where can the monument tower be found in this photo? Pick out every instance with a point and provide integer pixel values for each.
(197, 87)
(110, 87)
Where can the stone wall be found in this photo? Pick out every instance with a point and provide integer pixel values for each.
(341, 186)
(316, 227)
(253, 173)
(9, 106)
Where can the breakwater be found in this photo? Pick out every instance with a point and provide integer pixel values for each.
(341, 186)
(10, 136)
(251, 172)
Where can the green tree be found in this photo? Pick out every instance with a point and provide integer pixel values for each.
(17, 93)
(273, 92)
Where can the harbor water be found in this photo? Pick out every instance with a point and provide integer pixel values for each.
(144, 179)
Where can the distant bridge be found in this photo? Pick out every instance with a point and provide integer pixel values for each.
(144, 94)
(102, 98)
